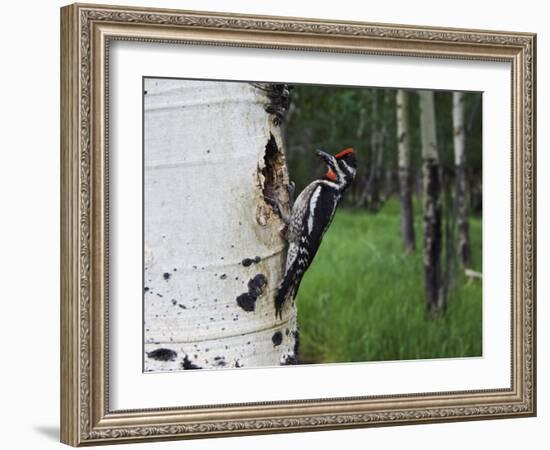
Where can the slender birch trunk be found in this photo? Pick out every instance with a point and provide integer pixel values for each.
(376, 184)
(371, 187)
(213, 255)
(461, 184)
(432, 205)
(372, 193)
(404, 172)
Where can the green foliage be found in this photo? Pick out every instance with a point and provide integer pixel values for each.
(334, 118)
(327, 118)
(363, 299)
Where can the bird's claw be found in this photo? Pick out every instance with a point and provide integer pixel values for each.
(291, 189)
(278, 209)
(273, 203)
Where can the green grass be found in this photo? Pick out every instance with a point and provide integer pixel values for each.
(363, 298)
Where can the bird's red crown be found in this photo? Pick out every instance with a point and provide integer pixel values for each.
(343, 153)
(330, 173)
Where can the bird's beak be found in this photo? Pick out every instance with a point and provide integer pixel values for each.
(329, 161)
(324, 156)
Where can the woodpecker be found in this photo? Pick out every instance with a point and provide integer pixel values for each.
(309, 219)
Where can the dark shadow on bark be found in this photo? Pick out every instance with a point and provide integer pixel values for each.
(407, 224)
(463, 238)
(432, 237)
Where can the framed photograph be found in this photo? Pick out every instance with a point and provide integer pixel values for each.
(276, 224)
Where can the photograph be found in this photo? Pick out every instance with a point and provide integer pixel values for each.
(289, 224)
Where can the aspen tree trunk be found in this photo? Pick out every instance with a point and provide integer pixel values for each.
(375, 181)
(432, 205)
(372, 193)
(356, 188)
(213, 254)
(461, 185)
(404, 170)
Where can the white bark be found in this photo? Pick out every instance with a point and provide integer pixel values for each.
(403, 137)
(427, 126)
(458, 127)
(204, 214)
(459, 137)
(403, 167)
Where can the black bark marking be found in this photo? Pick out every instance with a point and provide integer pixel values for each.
(249, 261)
(188, 365)
(296, 335)
(223, 276)
(220, 361)
(462, 216)
(256, 286)
(277, 338)
(182, 306)
(146, 289)
(278, 96)
(163, 354)
(166, 275)
(289, 360)
(432, 237)
(246, 302)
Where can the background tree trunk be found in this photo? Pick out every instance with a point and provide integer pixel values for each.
(432, 204)
(463, 243)
(374, 183)
(403, 164)
(371, 195)
(213, 252)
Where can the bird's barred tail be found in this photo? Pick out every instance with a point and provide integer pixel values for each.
(287, 289)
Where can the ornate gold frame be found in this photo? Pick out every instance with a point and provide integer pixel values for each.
(86, 31)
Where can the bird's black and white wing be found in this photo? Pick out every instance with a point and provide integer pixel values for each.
(311, 216)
